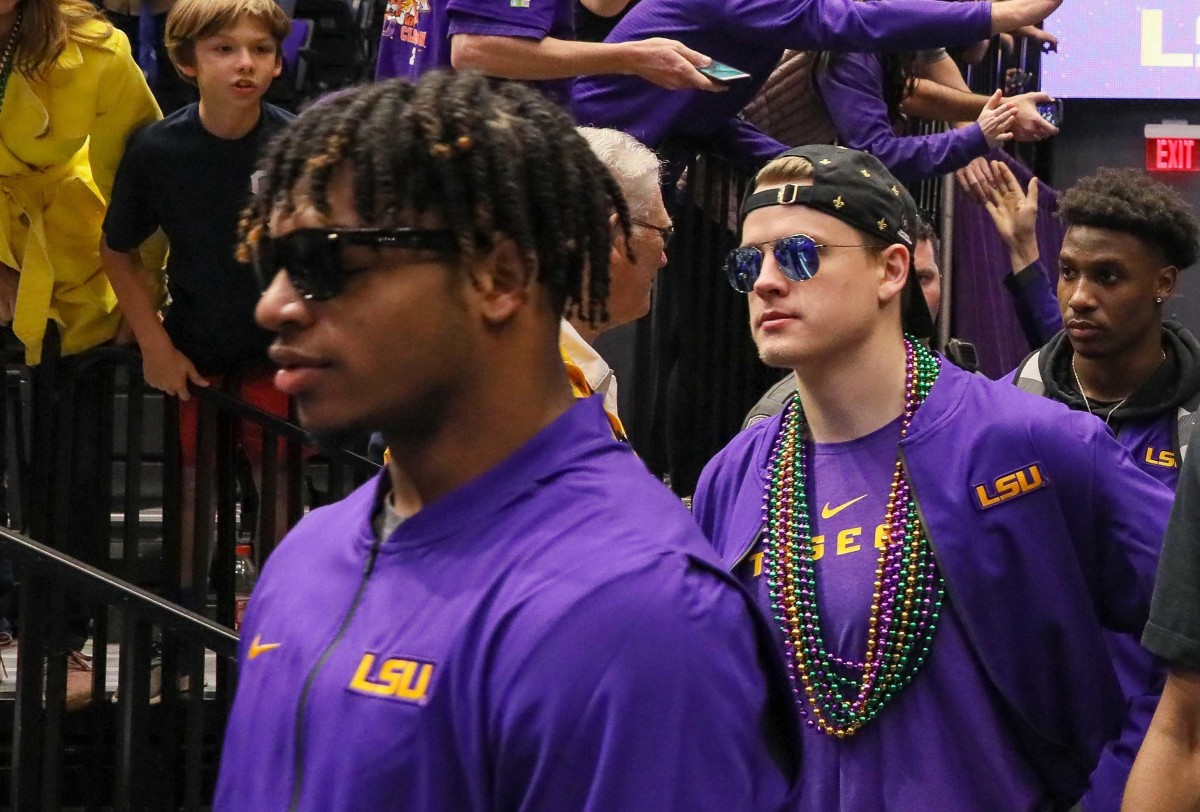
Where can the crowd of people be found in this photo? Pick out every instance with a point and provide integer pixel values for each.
(902, 586)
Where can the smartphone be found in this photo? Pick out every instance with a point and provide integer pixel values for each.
(1052, 111)
(720, 72)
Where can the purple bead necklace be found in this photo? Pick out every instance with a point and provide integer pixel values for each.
(838, 696)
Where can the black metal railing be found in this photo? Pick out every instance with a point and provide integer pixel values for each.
(99, 462)
(127, 754)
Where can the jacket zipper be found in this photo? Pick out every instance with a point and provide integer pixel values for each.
(298, 743)
(754, 540)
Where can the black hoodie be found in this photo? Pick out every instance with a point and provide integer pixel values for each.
(1174, 385)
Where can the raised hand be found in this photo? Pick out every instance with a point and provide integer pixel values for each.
(1014, 211)
(997, 120)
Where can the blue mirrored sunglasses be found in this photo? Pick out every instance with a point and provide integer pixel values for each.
(797, 256)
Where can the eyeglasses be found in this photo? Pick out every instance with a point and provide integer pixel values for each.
(798, 257)
(312, 257)
(666, 232)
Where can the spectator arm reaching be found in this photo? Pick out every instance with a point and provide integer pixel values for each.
(852, 88)
(1014, 212)
(164, 367)
(942, 95)
(664, 62)
(1015, 15)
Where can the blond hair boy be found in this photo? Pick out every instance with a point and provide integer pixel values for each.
(190, 175)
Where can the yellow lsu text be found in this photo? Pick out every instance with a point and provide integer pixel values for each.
(395, 678)
(1010, 486)
(1163, 459)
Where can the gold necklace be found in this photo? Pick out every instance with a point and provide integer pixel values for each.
(1088, 404)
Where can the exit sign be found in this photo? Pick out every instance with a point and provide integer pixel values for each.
(1172, 147)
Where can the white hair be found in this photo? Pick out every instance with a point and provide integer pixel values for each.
(633, 165)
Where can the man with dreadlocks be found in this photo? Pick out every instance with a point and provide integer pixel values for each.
(941, 553)
(449, 637)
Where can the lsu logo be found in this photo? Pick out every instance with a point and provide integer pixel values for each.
(394, 678)
(1163, 459)
(1010, 486)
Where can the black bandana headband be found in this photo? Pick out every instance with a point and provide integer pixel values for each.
(857, 189)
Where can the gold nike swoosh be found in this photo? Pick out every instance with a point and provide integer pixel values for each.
(828, 512)
(258, 647)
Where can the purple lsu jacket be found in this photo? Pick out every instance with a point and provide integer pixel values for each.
(554, 635)
(1039, 564)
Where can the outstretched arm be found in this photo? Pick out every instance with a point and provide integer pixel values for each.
(853, 93)
(893, 25)
(664, 62)
(1014, 212)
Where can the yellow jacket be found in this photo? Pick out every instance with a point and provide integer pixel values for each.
(61, 139)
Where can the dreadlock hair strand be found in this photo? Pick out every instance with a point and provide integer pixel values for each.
(493, 160)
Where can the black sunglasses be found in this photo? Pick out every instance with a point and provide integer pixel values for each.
(312, 257)
(797, 256)
(666, 232)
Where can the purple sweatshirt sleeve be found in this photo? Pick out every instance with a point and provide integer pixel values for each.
(853, 92)
(501, 19)
(850, 25)
(748, 147)
(643, 700)
(1035, 304)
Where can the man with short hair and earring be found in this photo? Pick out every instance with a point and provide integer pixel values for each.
(448, 637)
(941, 554)
(1128, 238)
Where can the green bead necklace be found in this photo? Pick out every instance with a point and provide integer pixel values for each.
(838, 696)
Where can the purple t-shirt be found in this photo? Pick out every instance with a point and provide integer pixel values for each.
(416, 33)
(554, 635)
(942, 745)
(752, 35)
(853, 91)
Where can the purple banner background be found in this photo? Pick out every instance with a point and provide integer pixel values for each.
(1100, 50)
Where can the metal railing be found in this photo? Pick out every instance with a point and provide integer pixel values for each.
(100, 465)
(163, 754)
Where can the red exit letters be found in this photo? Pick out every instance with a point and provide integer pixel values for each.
(1172, 155)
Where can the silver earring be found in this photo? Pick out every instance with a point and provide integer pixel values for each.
(1158, 300)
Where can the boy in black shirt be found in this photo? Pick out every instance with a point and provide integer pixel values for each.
(190, 174)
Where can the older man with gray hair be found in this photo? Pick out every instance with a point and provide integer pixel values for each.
(633, 265)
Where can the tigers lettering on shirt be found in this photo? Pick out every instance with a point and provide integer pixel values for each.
(848, 485)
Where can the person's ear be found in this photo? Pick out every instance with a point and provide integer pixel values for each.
(1168, 277)
(503, 281)
(619, 245)
(895, 265)
(278, 65)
